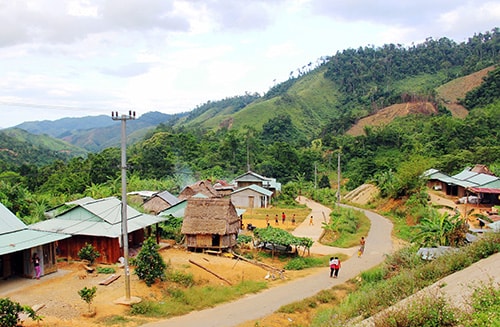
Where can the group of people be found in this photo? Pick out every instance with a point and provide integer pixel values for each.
(283, 219)
(335, 261)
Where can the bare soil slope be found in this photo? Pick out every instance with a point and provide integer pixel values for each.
(449, 94)
(454, 90)
(388, 114)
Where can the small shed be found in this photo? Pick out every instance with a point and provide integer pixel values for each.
(211, 224)
(159, 202)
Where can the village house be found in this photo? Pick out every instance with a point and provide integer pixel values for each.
(477, 181)
(251, 196)
(159, 202)
(200, 187)
(97, 222)
(223, 188)
(18, 244)
(251, 178)
(210, 224)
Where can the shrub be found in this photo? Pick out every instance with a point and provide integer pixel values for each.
(88, 295)
(300, 263)
(424, 311)
(181, 278)
(149, 263)
(88, 252)
(10, 310)
(106, 270)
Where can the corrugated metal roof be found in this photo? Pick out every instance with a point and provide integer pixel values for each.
(481, 179)
(493, 184)
(255, 188)
(464, 175)
(485, 190)
(430, 172)
(26, 239)
(9, 222)
(175, 210)
(168, 197)
(82, 219)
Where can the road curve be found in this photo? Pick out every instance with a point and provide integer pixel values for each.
(255, 306)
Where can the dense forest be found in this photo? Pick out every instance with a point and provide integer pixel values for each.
(366, 80)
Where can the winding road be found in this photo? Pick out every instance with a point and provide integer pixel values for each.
(255, 306)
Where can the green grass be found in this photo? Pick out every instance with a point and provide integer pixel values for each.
(402, 275)
(178, 300)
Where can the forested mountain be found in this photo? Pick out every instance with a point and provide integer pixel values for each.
(354, 83)
(18, 147)
(95, 133)
(296, 130)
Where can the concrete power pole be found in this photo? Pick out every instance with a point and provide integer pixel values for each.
(124, 118)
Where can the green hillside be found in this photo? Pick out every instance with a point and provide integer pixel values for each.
(20, 147)
(353, 84)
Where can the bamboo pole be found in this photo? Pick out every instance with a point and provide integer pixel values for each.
(208, 270)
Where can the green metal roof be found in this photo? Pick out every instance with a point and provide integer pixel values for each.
(26, 239)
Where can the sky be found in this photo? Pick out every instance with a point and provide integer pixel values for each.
(74, 58)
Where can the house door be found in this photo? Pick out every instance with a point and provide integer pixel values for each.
(215, 239)
(251, 200)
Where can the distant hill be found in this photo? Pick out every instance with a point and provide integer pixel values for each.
(95, 133)
(19, 147)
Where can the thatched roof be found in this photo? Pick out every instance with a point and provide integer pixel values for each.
(210, 216)
(203, 187)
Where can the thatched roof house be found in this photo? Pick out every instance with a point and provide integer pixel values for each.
(200, 187)
(210, 224)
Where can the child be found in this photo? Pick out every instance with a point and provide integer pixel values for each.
(36, 264)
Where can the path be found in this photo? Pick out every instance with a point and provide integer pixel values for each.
(255, 306)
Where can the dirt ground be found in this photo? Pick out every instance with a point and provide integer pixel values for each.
(62, 306)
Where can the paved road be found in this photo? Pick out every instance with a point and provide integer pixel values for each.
(255, 306)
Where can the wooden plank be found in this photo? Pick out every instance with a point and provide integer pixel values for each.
(109, 280)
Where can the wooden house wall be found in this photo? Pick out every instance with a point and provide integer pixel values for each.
(204, 241)
(20, 263)
(109, 248)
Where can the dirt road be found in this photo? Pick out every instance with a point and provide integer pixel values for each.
(255, 306)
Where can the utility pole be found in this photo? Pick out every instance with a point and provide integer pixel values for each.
(123, 119)
(315, 175)
(338, 178)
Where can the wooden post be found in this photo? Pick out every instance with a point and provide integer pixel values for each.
(208, 270)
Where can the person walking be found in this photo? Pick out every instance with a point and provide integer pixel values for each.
(276, 220)
(362, 243)
(267, 220)
(293, 219)
(332, 267)
(311, 221)
(336, 267)
(36, 265)
(283, 218)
